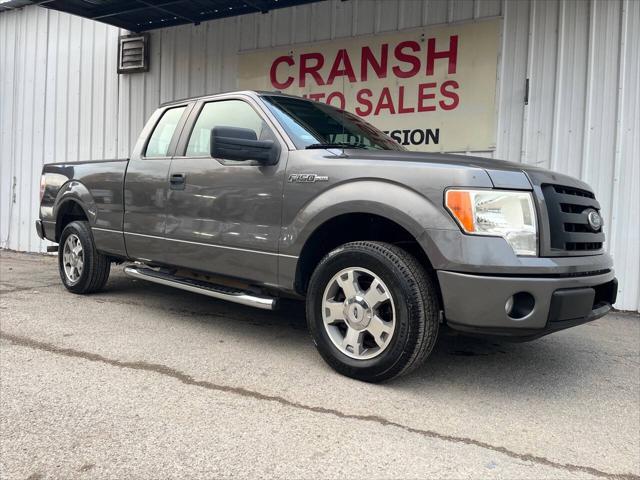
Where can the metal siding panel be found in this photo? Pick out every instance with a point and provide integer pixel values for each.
(98, 91)
(13, 160)
(112, 93)
(52, 80)
(73, 93)
(625, 230)
(410, 15)
(61, 88)
(301, 25)
(460, 10)
(386, 16)
(8, 90)
(435, 12)
(249, 28)
(153, 78)
(15, 130)
(124, 115)
(198, 60)
(4, 121)
(487, 8)
(38, 118)
(167, 64)
(322, 21)
(571, 88)
(85, 88)
(229, 45)
(281, 30)
(543, 40)
(214, 61)
(24, 135)
(364, 21)
(600, 119)
(136, 106)
(181, 61)
(263, 22)
(511, 85)
(342, 15)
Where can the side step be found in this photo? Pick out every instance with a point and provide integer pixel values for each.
(216, 291)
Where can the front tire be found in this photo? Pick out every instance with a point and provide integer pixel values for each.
(372, 310)
(82, 269)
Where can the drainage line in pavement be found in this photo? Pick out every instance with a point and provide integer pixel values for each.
(189, 380)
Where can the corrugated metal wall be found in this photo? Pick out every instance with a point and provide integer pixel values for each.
(62, 100)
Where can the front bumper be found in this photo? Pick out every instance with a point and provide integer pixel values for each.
(542, 304)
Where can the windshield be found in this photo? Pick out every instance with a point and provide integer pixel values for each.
(315, 125)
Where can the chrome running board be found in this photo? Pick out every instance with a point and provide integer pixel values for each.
(216, 291)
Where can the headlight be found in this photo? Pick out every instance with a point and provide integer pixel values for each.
(500, 213)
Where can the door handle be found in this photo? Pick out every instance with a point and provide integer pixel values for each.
(177, 181)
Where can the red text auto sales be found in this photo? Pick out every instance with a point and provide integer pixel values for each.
(408, 59)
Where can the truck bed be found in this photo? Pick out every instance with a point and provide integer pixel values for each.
(97, 185)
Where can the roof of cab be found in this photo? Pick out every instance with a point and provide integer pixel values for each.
(251, 93)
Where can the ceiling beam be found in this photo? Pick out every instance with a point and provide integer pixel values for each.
(145, 15)
(114, 12)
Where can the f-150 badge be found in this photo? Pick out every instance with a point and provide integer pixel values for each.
(307, 178)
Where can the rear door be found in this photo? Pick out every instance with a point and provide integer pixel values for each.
(146, 184)
(224, 216)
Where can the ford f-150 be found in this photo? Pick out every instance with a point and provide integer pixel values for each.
(254, 196)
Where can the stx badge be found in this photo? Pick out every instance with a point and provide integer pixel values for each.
(307, 178)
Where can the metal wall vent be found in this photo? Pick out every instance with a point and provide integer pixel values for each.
(133, 53)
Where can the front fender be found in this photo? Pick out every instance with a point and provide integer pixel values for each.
(404, 206)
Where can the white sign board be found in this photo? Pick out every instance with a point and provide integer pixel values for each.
(431, 89)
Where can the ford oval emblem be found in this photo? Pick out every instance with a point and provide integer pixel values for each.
(595, 220)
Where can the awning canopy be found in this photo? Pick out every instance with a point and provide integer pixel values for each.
(142, 15)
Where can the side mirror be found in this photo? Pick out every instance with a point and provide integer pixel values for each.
(232, 143)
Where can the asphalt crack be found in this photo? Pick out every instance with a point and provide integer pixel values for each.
(11, 289)
(244, 392)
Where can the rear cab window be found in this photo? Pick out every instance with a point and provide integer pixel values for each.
(158, 145)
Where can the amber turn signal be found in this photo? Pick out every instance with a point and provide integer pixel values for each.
(459, 203)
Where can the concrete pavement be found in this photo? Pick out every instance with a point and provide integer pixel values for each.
(144, 381)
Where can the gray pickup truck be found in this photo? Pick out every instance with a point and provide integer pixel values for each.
(254, 196)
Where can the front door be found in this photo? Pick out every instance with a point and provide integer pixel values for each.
(223, 216)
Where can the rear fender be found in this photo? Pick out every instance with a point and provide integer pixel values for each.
(75, 191)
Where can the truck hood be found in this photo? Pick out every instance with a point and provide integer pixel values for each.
(502, 173)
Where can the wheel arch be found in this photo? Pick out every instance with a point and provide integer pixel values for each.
(365, 209)
(350, 227)
(73, 202)
(70, 210)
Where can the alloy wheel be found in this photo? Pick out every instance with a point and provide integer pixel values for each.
(358, 313)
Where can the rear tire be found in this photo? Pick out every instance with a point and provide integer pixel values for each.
(384, 326)
(82, 269)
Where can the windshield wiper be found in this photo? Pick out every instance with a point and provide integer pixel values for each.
(335, 145)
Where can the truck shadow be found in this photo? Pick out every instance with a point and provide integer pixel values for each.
(548, 364)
